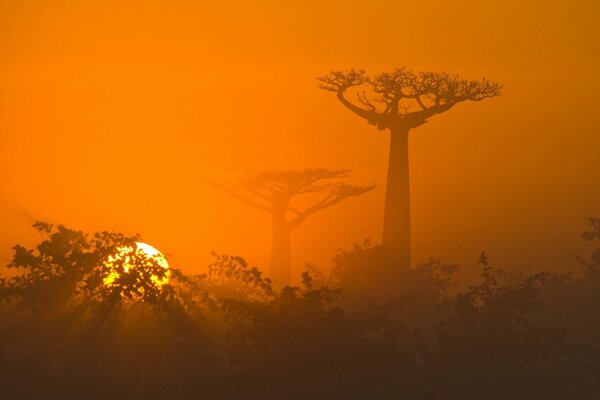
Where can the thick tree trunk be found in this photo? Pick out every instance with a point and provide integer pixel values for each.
(281, 265)
(396, 224)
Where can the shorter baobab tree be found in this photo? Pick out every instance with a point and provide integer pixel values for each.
(272, 191)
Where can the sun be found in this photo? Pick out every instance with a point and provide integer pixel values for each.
(142, 251)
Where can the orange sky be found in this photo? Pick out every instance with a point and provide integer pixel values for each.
(111, 111)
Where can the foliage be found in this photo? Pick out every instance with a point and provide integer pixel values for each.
(492, 335)
(351, 333)
(67, 271)
(593, 265)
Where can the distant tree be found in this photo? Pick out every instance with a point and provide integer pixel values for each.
(272, 192)
(400, 101)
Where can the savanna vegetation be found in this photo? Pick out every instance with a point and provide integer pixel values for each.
(361, 330)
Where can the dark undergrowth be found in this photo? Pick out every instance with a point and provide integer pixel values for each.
(362, 331)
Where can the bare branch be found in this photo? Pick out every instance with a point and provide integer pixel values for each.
(337, 193)
(403, 108)
(291, 182)
(339, 81)
(432, 92)
(279, 187)
(372, 116)
(238, 196)
(362, 97)
(395, 85)
(420, 103)
(294, 210)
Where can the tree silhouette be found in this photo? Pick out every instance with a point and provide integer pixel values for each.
(400, 101)
(228, 333)
(68, 271)
(272, 192)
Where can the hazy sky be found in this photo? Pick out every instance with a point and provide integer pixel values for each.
(112, 111)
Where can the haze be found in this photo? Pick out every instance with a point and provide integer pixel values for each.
(111, 113)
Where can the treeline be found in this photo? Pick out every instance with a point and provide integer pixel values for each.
(361, 331)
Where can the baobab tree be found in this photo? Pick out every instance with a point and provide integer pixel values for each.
(400, 101)
(272, 191)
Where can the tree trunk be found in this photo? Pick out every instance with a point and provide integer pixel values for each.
(281, 266)
(396, 223)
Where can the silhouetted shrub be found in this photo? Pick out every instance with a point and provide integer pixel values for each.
(358, 332)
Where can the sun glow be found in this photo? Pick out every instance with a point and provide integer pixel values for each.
(124, 257)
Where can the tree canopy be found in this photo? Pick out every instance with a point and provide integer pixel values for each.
(272, 191)
(403, 98)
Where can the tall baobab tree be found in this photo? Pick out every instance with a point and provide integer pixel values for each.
(400, 101)
(272, 191)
